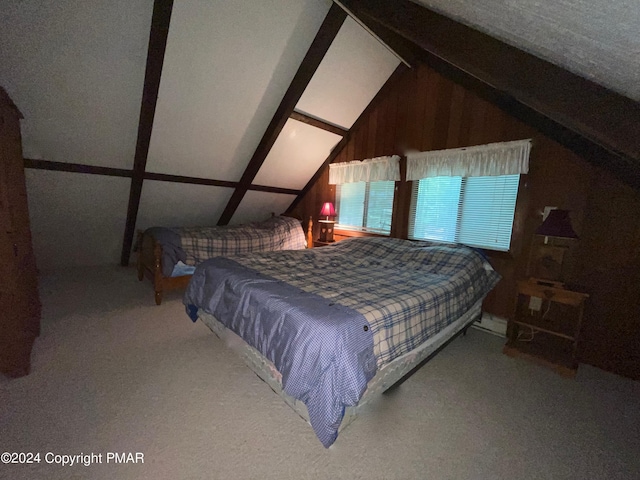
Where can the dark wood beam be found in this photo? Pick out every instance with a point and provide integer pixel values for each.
(321, 43)
(389, 85)
(76, 168)
(155, 58)
(160, 177)
(163, 177)
(316, 122)
(589, 119)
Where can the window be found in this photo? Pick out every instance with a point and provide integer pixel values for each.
(475, 211)
(365, 206)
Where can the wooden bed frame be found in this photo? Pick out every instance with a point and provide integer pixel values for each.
(149, 264)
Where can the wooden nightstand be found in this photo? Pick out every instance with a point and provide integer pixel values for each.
(546, 325)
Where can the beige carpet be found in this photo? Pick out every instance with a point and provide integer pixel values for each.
(114, 373)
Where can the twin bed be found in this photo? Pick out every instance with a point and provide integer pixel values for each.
(168, 256)
(330, 328)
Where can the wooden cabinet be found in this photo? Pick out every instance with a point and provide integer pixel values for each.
(546, 325)
(19, 301)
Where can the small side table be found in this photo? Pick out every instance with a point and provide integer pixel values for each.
(546, 325)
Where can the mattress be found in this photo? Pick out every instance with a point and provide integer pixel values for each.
(385, 377)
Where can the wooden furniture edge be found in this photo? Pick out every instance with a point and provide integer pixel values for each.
(149, 265)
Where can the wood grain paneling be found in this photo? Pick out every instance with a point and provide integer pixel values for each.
(429, 111)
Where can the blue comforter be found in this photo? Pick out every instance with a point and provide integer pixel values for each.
(323, 350)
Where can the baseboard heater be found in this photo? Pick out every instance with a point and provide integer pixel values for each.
(492, 324)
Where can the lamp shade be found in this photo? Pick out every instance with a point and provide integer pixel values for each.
(557, 224)
(328, 210)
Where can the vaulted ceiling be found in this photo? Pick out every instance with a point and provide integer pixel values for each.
(597, 39)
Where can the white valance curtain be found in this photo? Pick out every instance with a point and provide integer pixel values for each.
(506, 158)
(370, 170)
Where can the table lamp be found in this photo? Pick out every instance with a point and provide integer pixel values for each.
(326, 226)
(545, 261)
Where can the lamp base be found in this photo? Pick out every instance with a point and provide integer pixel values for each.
(326, 230)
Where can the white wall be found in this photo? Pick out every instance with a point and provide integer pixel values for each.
(75, 69)
(297, 154)
(76, 219)
(166, 204)
(350, 75)
(256, 206)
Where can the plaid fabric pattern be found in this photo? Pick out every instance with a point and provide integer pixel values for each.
(276, 233)
(407, 291)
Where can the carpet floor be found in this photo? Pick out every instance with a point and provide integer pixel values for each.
(113, 373)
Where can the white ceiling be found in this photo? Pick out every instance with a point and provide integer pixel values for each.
(227, 66)
(76, 70)
(298, 152)
(597, 39)
(351, 73)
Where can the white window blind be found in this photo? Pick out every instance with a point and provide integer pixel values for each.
(365, 206)
(475, 211)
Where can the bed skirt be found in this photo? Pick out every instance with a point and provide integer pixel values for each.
(385, 377)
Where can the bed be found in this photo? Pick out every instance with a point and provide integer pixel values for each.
(168, 256)
(329, 328)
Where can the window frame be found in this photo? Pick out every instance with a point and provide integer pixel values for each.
(365, 211)
(463, 194)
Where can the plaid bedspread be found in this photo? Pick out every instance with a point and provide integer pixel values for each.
(407, 291)
(329, 317)
(276, 233)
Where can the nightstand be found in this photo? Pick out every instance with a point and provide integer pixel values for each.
(546, 325)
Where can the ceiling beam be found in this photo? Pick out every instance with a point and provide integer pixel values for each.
(589, 119)
(316, 122)
(76, 168)
(155, 58)
(163, 177)
(389, 85)
(321, 43)
(38, 164)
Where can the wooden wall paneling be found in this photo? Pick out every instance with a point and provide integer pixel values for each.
(477, 131)
(610, 272)
(383, 118)
(465, 125)
(360, 141)
(456, 115)
(417, 109)
(432, 88)
(494, 124)
(391, 125)
(442, 110)
(402, 119)
(372, 133)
